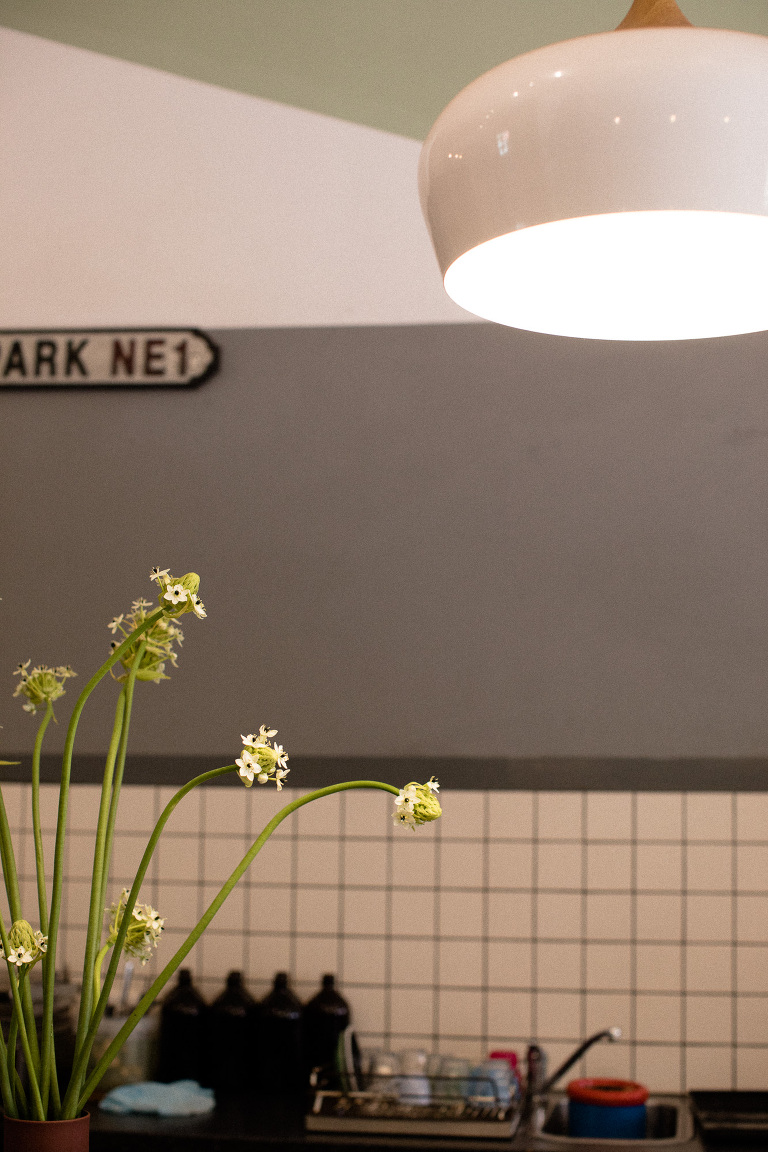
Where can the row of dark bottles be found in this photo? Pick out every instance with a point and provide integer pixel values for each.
(237, 1044)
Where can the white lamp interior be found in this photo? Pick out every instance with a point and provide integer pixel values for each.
(601, 277)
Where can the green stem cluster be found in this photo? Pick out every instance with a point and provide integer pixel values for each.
(43, 1099)
(159, 983)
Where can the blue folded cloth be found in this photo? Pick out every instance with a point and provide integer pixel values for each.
(182, 1098)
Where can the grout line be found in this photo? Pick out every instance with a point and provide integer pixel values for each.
(436, 910)
(683, 941)
(342, 886)
(583, 908)
(247, 889)
(199, 950)
(484, 926)
(293, 895)
(387, 1007)
(534, 918)
(734, 944)
(633, 943)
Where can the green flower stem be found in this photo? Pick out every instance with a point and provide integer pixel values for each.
(82, 1054)
(18, 1017)
(53, 1090)
(13, 1034)
(26, 1034)
(96, 911)
(49, 966)
(14, 905)
(119, 770)
(42, 898)
(10, 876)
(50, 1083)
(157, 986)
(97, 970)
(7, 1078)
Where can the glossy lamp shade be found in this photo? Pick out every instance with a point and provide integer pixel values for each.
(611, 187)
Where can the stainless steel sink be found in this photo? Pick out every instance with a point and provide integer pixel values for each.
(669, 1122)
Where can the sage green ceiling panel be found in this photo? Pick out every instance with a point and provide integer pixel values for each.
(389, 64)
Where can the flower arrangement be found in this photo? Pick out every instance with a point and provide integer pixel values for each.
(144, 645)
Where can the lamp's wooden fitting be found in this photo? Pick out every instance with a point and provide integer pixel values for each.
(654, 14)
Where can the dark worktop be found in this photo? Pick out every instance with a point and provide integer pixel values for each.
(255, 1124)
(272, 1125)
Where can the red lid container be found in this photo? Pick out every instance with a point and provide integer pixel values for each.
(608, 1093)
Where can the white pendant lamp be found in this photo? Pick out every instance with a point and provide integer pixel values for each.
(612, 187)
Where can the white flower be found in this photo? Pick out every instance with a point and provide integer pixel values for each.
(176, 594)
(41, 941)
(432, 784)
(157, 574)
(404, 816)
(263, 738)
(247, 767)
(269, 763)
(21, 669)
(115, 624)
(20, 957)
(197, 606)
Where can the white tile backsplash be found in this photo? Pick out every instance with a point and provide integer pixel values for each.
(519, 916)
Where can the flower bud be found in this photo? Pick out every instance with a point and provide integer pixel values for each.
(144, 927)
(22, 935)
(42, 685)
(417, 804)
(426, 806)
(190, 581)
(27, 945)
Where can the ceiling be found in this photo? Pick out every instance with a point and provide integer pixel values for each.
(244, 163)
(388, 64)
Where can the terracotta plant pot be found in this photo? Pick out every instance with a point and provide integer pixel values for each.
(46, 1135)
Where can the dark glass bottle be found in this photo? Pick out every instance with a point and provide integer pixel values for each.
(280, 1063)
(232, 1030)
(326, 1016)
(183, 1033)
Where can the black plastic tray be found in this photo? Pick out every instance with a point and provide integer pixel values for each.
(741, 1117)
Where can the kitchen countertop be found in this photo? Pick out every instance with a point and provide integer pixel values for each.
(274, 1125)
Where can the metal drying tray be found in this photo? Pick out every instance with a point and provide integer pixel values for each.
(384, 1113)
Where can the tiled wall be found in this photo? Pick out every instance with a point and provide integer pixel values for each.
(518, 915)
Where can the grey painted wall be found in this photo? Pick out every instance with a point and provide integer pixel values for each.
(426, 540)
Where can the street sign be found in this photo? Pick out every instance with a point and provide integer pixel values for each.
(67, 358)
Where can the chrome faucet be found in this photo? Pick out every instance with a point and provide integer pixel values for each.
(610, 1034)
(538, 1083)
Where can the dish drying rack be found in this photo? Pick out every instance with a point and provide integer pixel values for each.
(381, 1109)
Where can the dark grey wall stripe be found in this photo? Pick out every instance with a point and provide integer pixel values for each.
(567, 774)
